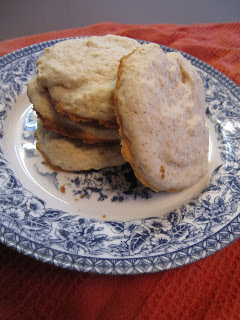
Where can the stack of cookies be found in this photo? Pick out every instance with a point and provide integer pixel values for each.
(73, 95)
(102, 101)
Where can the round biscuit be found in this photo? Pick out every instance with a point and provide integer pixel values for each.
(160, 108)
(89, 132)
(75, 155)
(80, 75)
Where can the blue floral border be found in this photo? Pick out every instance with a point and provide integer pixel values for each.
(151, 264)
(180, 237)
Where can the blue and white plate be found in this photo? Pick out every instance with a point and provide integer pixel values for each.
(107, 222)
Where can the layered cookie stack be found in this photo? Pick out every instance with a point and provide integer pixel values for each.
(92, 93)
(73, 95)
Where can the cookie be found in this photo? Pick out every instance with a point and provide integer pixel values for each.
(73, 154)
(160, 108)
(89, 132)
(80, 75)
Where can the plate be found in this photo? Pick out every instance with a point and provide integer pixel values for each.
(106, 221)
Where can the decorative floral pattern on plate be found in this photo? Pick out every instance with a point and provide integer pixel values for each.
(204, 225)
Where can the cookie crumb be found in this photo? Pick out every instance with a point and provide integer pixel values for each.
(162, 170)
(81, 195)
(63, 188)
(104, 216)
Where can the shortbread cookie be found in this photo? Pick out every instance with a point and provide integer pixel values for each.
(80, 75)
(89, 132)
(75, 155)
(160, 107)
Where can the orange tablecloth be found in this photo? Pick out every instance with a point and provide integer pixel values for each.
(208, 289)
